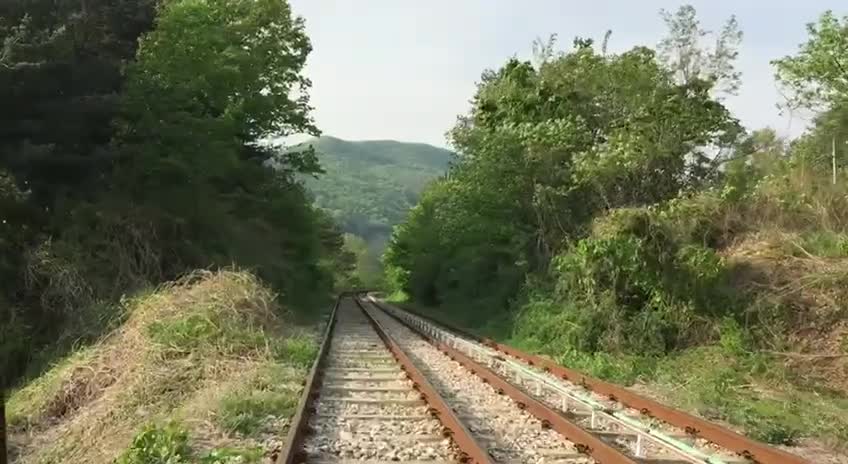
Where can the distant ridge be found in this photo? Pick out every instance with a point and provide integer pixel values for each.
(371, 184)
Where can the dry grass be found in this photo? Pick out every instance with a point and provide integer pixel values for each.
(183, 348)
(802, 298)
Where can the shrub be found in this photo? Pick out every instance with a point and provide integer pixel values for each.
(635, 289)
(156, 444)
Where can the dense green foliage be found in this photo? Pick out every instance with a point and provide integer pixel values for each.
(609, 210)
(541, 153)
(137, 158)
(370, 185)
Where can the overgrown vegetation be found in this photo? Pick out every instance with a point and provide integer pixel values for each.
(166, 385)
(131, 153)
(609, 211)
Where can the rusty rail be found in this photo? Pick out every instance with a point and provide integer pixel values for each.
(757, 452)
(584, 441)
(292, 452)
(472, 452)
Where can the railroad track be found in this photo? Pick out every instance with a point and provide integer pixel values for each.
(364, 401)
(392, 386)
(641, 429)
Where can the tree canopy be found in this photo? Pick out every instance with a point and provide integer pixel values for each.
(542, 151)
(132, 151)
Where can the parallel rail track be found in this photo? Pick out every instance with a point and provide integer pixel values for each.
(643, 429)
(390, 385)
(364, 401)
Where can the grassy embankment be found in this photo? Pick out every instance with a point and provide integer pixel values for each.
(206, 369)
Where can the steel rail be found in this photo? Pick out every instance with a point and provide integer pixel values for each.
(472, 452)
(584, 441)
(750, 449)
(292, 452)
(569, 396)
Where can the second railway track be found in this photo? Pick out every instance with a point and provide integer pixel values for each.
(643, 430)
(387, 387)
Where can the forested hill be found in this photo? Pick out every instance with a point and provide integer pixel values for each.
(370, 185)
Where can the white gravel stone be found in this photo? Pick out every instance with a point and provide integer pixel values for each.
(509, 433)
(356, 351)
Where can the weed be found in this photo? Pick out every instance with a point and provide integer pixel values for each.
(34, 401)
(181, 353)
(247, 413)
(820, 243)
(169, 444)
(299, 350)
(156, 444)
(751, 390)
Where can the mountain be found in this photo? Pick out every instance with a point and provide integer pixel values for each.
(370, 185)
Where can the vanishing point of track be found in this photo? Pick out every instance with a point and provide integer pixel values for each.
(390, 385)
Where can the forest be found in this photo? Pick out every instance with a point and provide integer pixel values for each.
(157, 251)
(164, 262)
(368, 187)
(609, 210)
(147, 159)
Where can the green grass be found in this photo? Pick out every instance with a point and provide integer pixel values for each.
(247, 414)
(820, 243)
(202, 331)
(169, 444)
(752, 391)
(29, 403)
(267, 395)
(298, 350)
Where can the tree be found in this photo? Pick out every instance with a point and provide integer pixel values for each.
(139, 157)
(683, 51)
(542, 151)
(817, 76)
(55, 132)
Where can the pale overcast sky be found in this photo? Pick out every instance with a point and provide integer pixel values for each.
(404, 69)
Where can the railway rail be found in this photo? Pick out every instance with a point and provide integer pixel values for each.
(645, 430)
(364, 401)
(390, 385)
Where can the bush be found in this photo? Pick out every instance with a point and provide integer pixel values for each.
(644, 293)
(155, 444)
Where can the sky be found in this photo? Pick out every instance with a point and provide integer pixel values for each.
(404, 69)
